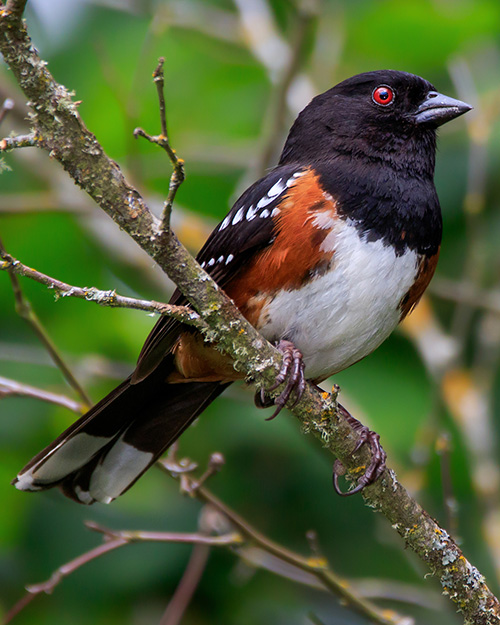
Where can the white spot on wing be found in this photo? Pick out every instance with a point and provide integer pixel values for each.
(211, 262)
(225, 223)
(264, 201)
(294, 177)
(277, 188)
(251, 213)
(276, 211)
(239, 216)
(229, 259)
(220, 259)
(265, 213)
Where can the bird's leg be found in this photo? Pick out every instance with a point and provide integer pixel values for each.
(377, 464)
(292, 370)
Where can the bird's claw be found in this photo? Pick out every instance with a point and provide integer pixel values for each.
(378, 457)
(292, 371)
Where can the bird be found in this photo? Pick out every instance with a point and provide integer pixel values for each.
(324, 256)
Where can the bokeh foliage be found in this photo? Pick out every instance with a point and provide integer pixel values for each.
(221, 97)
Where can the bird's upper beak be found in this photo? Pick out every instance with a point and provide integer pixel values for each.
(438, 109)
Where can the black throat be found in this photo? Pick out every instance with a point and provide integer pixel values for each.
(382, 181)
(401, 210)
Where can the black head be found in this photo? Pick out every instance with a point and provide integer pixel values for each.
(383, 115)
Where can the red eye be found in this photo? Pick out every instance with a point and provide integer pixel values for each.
(383, 95)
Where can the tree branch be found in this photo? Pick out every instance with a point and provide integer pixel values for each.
(62, 133)
(11, 388)
(26, 312)
(21, 141)
(15, 8)
(103, 298)
(187, 586)
(178, 175)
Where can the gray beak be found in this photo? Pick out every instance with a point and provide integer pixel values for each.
(438, 109)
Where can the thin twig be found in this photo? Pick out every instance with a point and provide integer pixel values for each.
(26, 312)
(443, 448)
(56, 578)
(103, 298)
(186, 587)
(20, 141)
(114, 540)
(138, 536)
(159, 80)
(162, 140)
(12, 388)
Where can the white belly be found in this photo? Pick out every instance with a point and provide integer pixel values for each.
(343, 315)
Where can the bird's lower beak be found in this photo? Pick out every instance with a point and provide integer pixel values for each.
(438, 109)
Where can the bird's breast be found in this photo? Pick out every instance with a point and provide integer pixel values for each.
(345, 311)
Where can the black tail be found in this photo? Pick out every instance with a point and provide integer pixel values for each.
(103, 453)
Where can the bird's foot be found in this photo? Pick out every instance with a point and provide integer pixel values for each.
(292, 371)
(377, 464)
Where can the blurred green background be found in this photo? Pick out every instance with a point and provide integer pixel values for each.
(237, 72)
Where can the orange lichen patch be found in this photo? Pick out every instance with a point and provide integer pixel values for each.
(197, 361)
(425, 272)
(301, 227)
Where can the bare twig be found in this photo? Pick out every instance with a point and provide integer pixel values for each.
(114, 540)
(443, 447)
(103, 298)
(178, 175)
(12, 388)
(21, 141)
(26, 312)
(56, 578)
(188, 584)
(165, 537)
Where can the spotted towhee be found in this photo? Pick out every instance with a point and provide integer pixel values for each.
(325, 255)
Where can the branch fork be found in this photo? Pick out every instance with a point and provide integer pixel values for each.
(178, 175)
